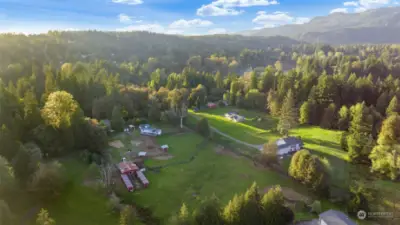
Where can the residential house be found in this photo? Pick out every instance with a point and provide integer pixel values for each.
(146, 129)
(288, 145)
(333, 217)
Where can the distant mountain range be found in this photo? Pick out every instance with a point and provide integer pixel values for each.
(376, 26)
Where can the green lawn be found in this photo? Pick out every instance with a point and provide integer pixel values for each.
(210, 173)
(81, 205)
(326, 142)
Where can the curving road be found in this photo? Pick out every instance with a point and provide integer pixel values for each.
(258, 147)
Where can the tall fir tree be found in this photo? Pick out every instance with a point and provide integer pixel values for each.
(393, 107)
(288, 115)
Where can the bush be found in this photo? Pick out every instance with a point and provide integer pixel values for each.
(203, 128)
(316, 207)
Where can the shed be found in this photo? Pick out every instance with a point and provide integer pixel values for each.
(142, 154)
(127, 167)
(142, 178)
(127, 182)
(165, 148)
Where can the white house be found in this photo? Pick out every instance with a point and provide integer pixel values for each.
(288, 145)
(333, 217)
(146, 129)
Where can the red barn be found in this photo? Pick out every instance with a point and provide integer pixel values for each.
(142, 178)
(128, 184)
(127, 167)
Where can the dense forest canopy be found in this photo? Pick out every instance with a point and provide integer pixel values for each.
(56, 87)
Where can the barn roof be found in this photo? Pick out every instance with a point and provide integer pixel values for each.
(333, 217)
(127, 167)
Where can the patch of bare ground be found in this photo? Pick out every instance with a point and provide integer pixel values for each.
(221, 150)
(290, 194)
(116, 144)
(165, 157)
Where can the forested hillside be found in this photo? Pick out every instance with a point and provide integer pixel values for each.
(375, 26)
(55, 89)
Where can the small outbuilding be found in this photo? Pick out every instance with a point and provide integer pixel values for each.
(142, 154)
(142, 178)
(164, 148)
(127, 182)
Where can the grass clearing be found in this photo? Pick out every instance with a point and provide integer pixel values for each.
(209, 173)
(81, 205)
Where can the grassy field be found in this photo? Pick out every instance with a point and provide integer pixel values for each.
(327, 142)
(211, 172)
(81, 205)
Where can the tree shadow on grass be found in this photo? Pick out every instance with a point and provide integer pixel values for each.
(325, 143)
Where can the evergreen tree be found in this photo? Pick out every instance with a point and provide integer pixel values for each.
(233, 91)
(360, 131)
(219, 81)
(328, 119)
(43, 218)
(209, 213)
(117, 122)
(385, 156)
(253, 80)
(274, 211)
(288, 115)
(232, 211)
(344, 117)
(252, 211)
(203, 128)
(305, 113)
(382, 103)
(184, 217)
(393, 107)
(273, 103)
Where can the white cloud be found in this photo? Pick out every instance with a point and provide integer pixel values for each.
(360, 9)
(227, 7)
(301, 20)
(339, 10)
(352, 3)
(179, 24)
(123, 18)
(276, 19)
(218, 31)
(151, 27)
(243, 3)
(212, 10)
(128, 2)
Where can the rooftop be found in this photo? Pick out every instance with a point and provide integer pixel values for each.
(333, 217)
(284, 142)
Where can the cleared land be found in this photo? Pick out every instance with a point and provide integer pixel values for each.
(214, 170)
(325, 143)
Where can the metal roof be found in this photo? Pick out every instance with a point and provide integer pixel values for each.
(289, 141)
(333, 217)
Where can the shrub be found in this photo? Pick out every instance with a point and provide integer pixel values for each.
(203, 128)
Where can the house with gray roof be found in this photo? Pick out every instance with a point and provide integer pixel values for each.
(288, 145)
(333, 217)
(146, 129)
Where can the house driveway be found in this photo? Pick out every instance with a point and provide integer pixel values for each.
(310, 222)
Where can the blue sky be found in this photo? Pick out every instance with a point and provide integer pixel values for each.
(188, 17)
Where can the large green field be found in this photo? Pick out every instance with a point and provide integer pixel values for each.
(322, 142)
(222, 174)
(326, 142)
(80, 204)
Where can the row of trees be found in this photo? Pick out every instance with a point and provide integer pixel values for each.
(250, 207)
